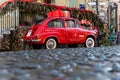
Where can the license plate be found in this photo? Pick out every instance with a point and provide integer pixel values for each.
(29, 33)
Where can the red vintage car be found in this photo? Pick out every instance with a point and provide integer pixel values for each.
(55, 31)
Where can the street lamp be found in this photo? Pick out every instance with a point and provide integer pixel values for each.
(97, 7)
(97, 13)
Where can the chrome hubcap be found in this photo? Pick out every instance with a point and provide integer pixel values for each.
(51, 44)
(90, 42)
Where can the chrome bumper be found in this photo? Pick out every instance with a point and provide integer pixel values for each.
(32, 40)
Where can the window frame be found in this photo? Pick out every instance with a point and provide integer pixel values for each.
(53, 23)
(68, 24)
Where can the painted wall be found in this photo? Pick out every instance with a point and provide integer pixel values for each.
(66, 2)
(61, 2)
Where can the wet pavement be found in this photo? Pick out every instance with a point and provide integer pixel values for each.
(100, 63)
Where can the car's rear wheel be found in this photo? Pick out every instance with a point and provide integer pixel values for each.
(50, 43)
(90, 42)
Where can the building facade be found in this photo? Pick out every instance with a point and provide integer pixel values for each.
(67, 3)
(100, 9)
(109, 12)
(115, 7)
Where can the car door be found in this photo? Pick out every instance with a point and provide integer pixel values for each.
(57, 29)
(71, 34)
(79, 32)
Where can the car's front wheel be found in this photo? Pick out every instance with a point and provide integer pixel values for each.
(90, 42)
(50, 43)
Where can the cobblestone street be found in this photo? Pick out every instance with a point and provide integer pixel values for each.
(61, 64)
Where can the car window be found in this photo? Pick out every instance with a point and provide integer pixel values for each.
(69, 23)
(77, 25)
(55, 23)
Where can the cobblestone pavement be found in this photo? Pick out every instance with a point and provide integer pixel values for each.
(61, 64)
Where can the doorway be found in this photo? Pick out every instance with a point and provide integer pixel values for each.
(113, 17)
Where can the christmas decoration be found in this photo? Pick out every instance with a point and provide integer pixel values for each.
(30, 9)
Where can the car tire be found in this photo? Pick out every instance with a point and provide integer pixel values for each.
(90, 42)
(50, 43)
